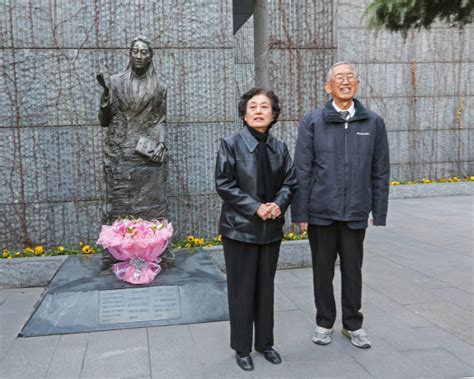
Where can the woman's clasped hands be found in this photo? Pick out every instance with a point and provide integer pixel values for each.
(268, 211)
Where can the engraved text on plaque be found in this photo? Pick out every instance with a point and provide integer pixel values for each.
(139, 304)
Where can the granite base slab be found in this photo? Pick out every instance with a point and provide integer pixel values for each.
(81, 298)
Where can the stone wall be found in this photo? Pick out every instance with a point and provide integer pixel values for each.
(51, 188)
(422, 86)
(50, 139)
(302, 48)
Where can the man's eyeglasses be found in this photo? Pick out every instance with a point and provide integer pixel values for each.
(339, 78)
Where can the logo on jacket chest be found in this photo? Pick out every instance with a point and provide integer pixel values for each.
(363, 133)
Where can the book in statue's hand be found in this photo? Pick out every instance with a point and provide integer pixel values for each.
(146, 147)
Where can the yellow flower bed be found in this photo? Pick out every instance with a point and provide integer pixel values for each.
(50, 251)
(191, 242)
(453, 179)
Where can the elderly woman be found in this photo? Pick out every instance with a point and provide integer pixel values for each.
(256, 180)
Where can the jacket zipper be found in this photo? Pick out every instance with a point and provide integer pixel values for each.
(346, 168)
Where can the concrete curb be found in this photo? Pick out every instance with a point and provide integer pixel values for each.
(293, 254)
(29, 272)
(408, 191)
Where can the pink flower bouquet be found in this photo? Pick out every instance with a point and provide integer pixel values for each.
(139, 245)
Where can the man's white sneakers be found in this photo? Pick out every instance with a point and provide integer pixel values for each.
(358, 338)
(321, 336)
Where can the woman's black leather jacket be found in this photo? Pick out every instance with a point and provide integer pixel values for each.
(236, 184)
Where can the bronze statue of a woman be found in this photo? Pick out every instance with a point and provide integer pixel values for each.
(133, 107)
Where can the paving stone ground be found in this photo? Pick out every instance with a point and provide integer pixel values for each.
(418, 302)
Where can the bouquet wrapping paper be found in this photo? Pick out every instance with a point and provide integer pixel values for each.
(138, 244)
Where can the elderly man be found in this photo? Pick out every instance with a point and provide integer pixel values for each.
(342, 165)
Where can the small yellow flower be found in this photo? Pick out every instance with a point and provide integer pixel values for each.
(60, 249)
(17, 254)
(190, 239)
(291, 235)
(187, 246)
(81, 243)
(394, 183)
(39, 250)
(6, 253)
(426, 181)
(86, 249)
(219, 237)
(28, 250)
(471, 178)
(9, 257)
(209, 245)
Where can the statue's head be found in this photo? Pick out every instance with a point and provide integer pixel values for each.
(141, 54)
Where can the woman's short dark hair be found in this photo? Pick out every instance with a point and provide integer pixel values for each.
(260, 91)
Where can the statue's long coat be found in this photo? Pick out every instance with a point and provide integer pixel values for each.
(136, 107)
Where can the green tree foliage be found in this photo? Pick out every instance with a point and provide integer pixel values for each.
(403, 15)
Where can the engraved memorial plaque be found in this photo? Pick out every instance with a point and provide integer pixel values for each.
(139, 304)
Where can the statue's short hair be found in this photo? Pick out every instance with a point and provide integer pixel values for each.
(143, 39)
(244, 99)
(331, 69)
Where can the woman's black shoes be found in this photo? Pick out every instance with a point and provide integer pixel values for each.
(271, 355)
(244, 361)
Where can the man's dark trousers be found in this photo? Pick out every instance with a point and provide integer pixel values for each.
(250, 270)
(326, 242)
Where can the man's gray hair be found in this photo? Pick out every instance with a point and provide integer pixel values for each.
(331, 69)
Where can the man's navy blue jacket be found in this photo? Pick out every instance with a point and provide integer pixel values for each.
(343, 167)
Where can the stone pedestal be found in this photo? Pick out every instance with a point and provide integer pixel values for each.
(81, 298)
